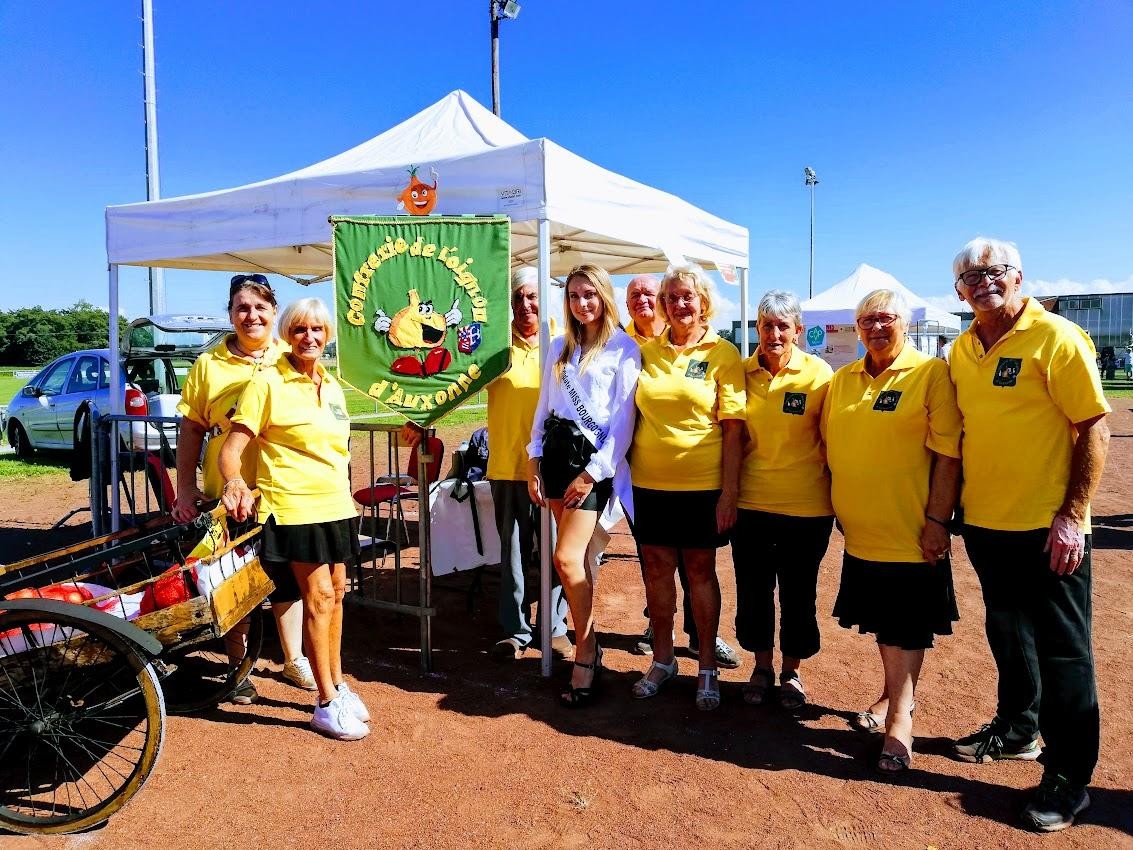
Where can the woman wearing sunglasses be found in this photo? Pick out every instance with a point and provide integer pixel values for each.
(208, 400)
(892, 432)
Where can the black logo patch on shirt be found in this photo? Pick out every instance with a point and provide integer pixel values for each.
(338, 412)
(794, 403)
(697, 369)
(887, 400)
(1007, 371)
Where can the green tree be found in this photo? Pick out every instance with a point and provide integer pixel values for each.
(33, 336)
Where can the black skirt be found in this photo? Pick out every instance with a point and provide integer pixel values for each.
(903, 604)
(334, 542)
(566, 451)
(679, 519)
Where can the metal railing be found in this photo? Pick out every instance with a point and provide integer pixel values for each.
(363, 576)
(139, 472)
(134, 475)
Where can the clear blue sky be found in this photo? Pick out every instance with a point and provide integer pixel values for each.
(927, 123)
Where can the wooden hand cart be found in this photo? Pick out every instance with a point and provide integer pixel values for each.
(84, 692)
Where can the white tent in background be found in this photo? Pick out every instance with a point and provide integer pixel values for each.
(564, 211)
(836, 305)
(829, 317)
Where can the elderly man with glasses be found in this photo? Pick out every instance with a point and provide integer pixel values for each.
(1035, 440)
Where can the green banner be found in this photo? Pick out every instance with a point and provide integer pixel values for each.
(423, 309)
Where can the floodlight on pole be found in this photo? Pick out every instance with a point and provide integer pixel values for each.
(811, 181)
(497, 10)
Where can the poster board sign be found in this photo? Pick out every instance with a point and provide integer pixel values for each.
(836, 344)
(423, 309)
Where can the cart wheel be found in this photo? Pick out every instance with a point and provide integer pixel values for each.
(202, 675)
(81, 722)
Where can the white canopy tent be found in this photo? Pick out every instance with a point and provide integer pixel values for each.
(484, 165)
(836, 305)
(564, 209)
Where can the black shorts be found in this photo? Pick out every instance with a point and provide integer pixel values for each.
(903, 604)
(332, 542)
(680, 519)
(566, 451)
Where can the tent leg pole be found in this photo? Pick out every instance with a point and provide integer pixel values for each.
(744, 346)
(544, 514)
(117, 399)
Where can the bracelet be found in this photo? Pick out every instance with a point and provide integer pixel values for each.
(939, 522)
(224, 489)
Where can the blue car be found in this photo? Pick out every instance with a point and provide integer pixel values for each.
(157, 354)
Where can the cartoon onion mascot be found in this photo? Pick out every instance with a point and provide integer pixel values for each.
(419, 326)
(419, 198)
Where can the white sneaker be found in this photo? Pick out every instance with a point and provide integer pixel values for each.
(338, 721)
(298, 672)
(354, 702)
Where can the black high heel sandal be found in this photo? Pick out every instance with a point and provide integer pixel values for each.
(580, 697)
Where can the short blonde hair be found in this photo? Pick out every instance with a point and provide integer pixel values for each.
(694, 276)
(305, 310)
(888, 300)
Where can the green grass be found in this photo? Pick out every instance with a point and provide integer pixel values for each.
(1118, 388)
(39, 466)
(10, 385)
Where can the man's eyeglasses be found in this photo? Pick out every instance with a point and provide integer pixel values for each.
(972, 277)
(241, 280)
(883, 320)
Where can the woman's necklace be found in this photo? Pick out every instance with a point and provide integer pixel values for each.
(256, 355)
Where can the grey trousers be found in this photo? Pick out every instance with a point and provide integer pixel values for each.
(517, 520)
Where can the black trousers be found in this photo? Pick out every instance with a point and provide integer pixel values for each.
(1038, 627)
(770, 549)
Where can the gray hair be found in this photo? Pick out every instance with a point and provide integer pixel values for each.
(781, 305)
(983, 251)
(524, 276)
(885, 299)
(305, 310)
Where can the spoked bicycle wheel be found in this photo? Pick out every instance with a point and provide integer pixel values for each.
(201, 675)
(81, 722)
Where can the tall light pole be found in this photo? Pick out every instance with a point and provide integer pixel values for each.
(498, 9)
(153, 183)
(811, 182)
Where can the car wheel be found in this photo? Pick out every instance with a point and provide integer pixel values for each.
(18, 440)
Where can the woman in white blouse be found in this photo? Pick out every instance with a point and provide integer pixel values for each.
(582, 429)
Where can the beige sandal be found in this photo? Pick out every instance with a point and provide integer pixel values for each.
(644, 688)
(708, 697)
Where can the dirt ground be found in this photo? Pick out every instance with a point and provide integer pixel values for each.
(477, 754)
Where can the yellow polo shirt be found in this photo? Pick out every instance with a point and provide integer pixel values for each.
(209, 396)
(682, 396)
(1020, 400)
(512, 399)
(633, 333)
(784, 469)
(302, 438)
(880, 434)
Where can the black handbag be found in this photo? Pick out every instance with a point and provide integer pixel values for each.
(564, 439)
